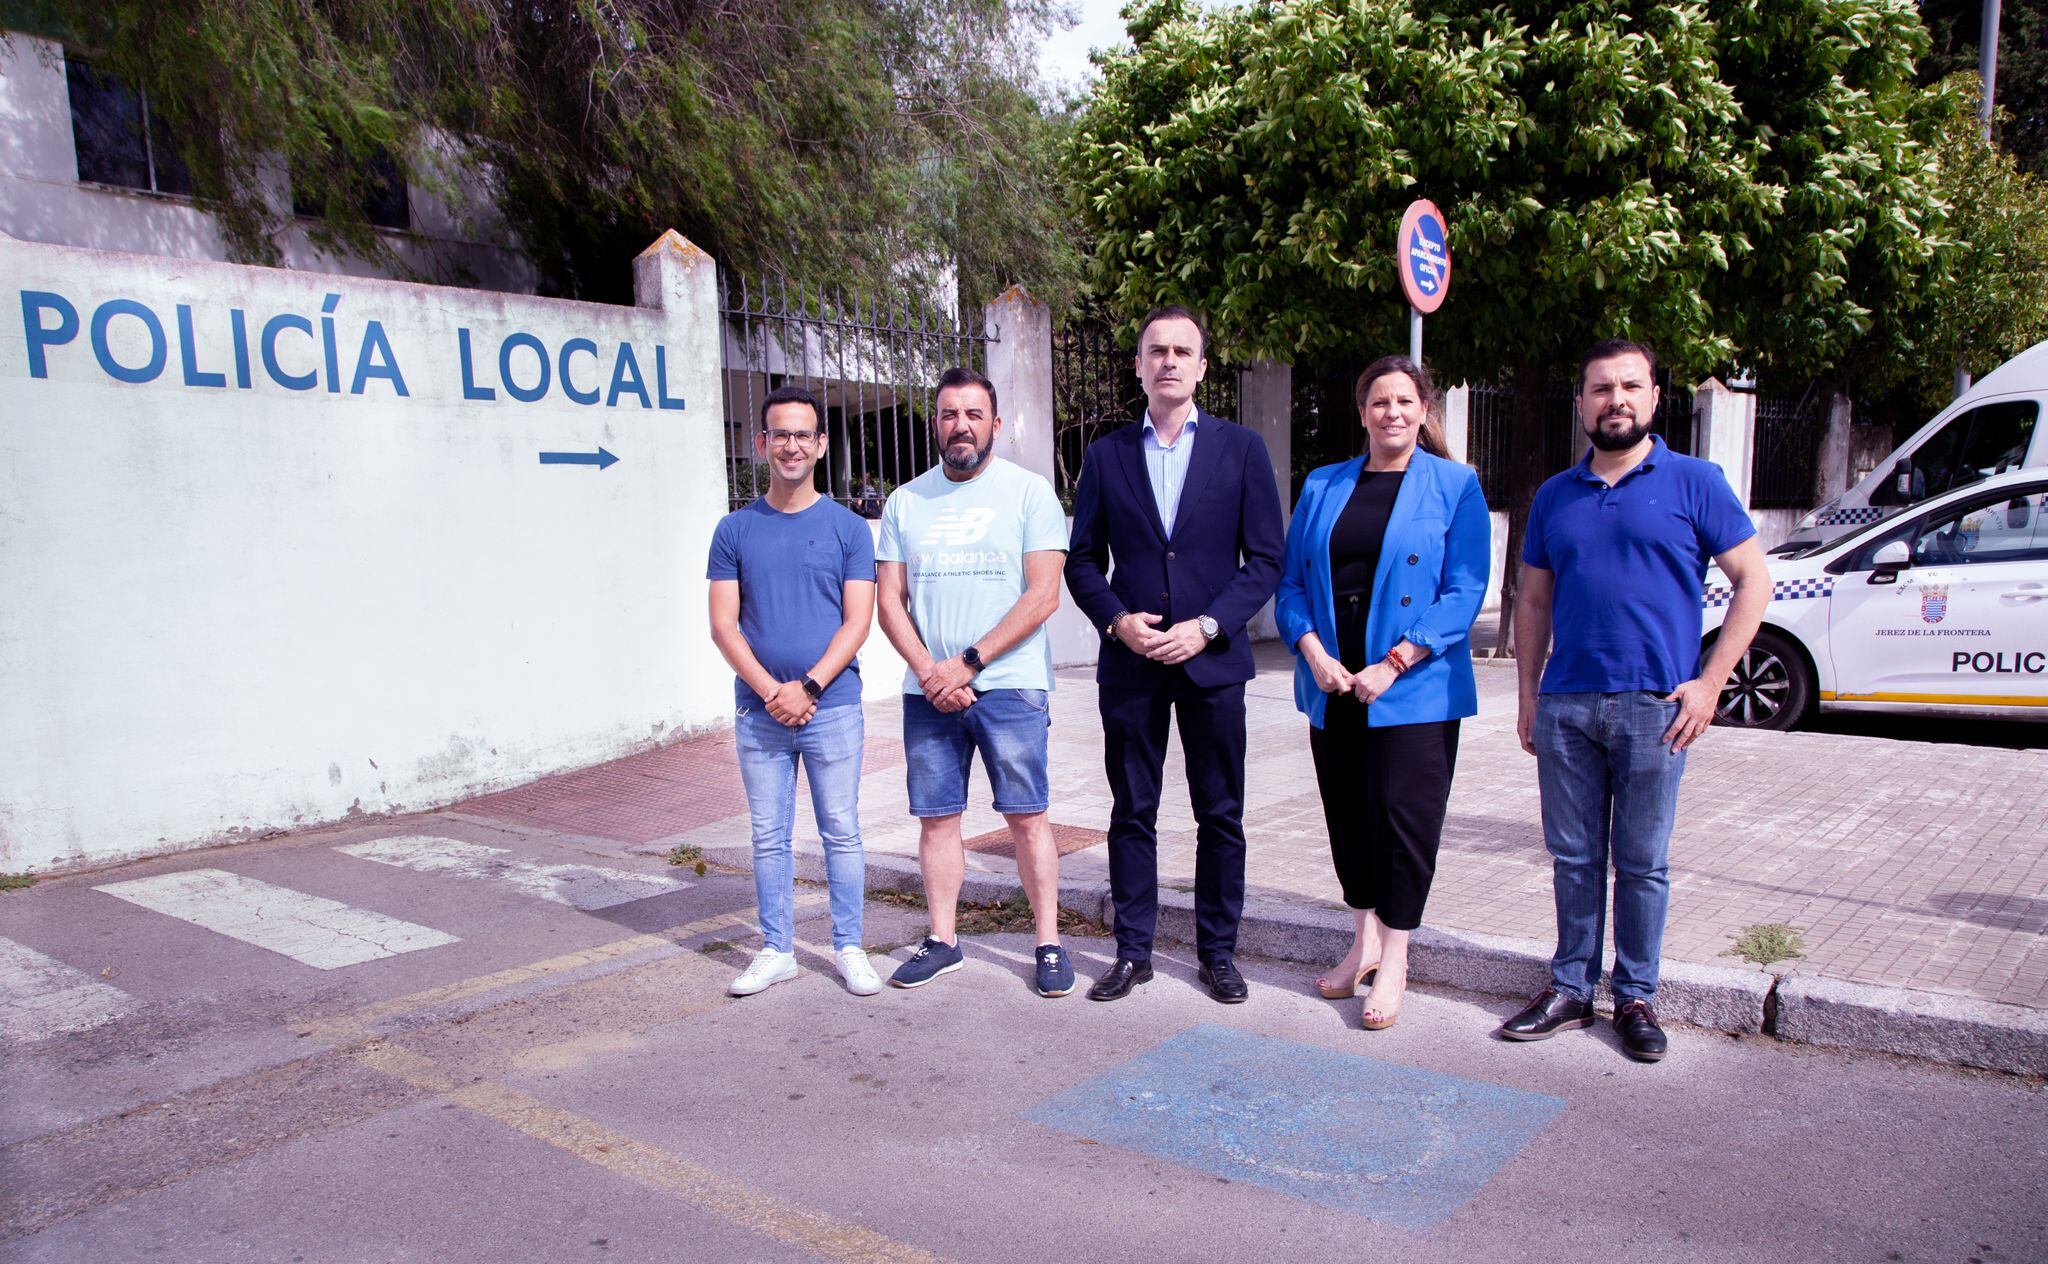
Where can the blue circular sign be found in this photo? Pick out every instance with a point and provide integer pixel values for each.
(1423, 255)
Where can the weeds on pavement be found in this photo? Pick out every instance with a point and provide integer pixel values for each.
(17, 881)
(1766, 942)
(688, 854)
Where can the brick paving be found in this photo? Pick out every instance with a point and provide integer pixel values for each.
(1905, 863)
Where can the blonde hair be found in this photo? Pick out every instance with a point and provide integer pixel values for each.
(1431, 437)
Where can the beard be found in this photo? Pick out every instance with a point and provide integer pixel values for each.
(1618, 440)
(971, 461)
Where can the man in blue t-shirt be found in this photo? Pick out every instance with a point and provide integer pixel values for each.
(1613, 564)
(792, 591)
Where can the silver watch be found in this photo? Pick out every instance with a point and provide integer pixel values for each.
(1210, 628)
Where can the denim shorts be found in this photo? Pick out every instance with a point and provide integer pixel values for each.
(1008, 726)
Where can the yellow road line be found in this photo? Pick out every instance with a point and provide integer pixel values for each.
(729, 1199)
(341, 1026)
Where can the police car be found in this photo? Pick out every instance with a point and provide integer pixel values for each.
(1942, 609)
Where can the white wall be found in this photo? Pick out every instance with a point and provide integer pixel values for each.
(41, 199)
(230, 610)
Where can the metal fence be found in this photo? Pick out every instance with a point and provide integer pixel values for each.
(1095, 390)
(1490, 411)
(1789, 430)
(872, 361)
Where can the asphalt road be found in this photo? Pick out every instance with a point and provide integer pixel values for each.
(549, 1081)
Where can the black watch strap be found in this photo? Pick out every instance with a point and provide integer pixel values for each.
(972, 657)
(812, 687)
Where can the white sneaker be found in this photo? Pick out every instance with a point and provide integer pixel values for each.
(767, 969)
(858, 971)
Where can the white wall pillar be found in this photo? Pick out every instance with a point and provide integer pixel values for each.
(1020, 365)
(1724, 432)
(1831, 476)
(1265, 403)
(1458, 423)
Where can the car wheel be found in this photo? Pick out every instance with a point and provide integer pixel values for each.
(1770, 688)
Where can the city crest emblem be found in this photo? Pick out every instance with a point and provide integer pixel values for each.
(1933, 602)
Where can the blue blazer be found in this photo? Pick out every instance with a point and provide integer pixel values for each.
(1428, 587)
(1222, 560)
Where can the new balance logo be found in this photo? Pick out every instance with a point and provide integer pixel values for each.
(955, 527)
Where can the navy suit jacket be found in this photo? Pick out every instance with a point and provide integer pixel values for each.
(1222, 560)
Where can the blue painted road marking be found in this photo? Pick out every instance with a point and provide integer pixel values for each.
(601, 459)
(1394, 1143)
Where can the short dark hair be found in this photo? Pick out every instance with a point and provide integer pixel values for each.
(1174, 311)
(792, 395)
(961, 375)
(1607, 349)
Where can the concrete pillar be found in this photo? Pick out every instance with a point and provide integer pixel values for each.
(1831, 476)
(678, 277)
(1724, 432)
(1020, 365)
(1265, 403)
(1457, 423)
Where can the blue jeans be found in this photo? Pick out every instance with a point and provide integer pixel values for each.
(829, 747)
(1610, 790)
(1010, 727)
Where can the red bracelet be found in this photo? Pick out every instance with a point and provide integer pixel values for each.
(1393, 660)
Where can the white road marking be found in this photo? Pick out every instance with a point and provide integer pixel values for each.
(584, 886)
(41, 996)
(322, 933)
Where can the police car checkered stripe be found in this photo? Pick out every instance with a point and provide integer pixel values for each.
(1783, 590)
(1849, 517)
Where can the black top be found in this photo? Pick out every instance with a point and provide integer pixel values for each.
(1355, 556)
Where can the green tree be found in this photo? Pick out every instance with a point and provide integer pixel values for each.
(1717, 178)
(837, 140)
(1957, 28)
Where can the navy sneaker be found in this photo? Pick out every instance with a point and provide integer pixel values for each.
(1055, 972)
(933, 958)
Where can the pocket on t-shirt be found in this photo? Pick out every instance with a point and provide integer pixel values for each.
(823, 555)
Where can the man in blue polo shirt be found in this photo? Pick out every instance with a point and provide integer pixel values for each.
(1613, 564)
(792, 592)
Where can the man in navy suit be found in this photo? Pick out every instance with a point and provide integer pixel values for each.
(1176, 545)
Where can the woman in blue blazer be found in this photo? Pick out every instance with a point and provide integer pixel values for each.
(1386, 565)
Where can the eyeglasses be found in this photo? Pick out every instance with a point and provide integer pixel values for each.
(792, 438)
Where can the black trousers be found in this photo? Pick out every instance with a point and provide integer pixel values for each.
(1134, 723)
(1384, 795)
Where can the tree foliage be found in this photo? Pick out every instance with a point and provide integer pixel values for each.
(1957, 27)
(830, 139)
(1985, 301)
(1719, 178)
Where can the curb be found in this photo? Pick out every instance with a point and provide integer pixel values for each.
(1800, 1009)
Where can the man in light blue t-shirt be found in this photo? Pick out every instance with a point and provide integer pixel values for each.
(969, 571)
(792, 589)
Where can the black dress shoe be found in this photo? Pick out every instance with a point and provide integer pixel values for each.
(1551, 1012)
(1224, 982)
(1122, 977)
(1641, 1037)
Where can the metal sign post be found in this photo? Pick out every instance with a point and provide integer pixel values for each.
(1422, 256)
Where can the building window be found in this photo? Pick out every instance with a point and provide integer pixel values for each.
(383, 201)
(120, 140)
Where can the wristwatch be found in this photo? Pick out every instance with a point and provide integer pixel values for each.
(1110, 630)
(813, 688)
(971, 657)
(1210, 628)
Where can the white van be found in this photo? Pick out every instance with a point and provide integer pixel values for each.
(1989, 429)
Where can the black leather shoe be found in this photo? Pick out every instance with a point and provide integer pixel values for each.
(1224, 982)
(1551, 1012)
(1122, 977)
(1641, 1037)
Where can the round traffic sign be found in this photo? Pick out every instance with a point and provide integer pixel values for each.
(1422, 255)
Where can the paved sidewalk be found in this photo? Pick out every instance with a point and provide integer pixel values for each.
(1899, 863)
